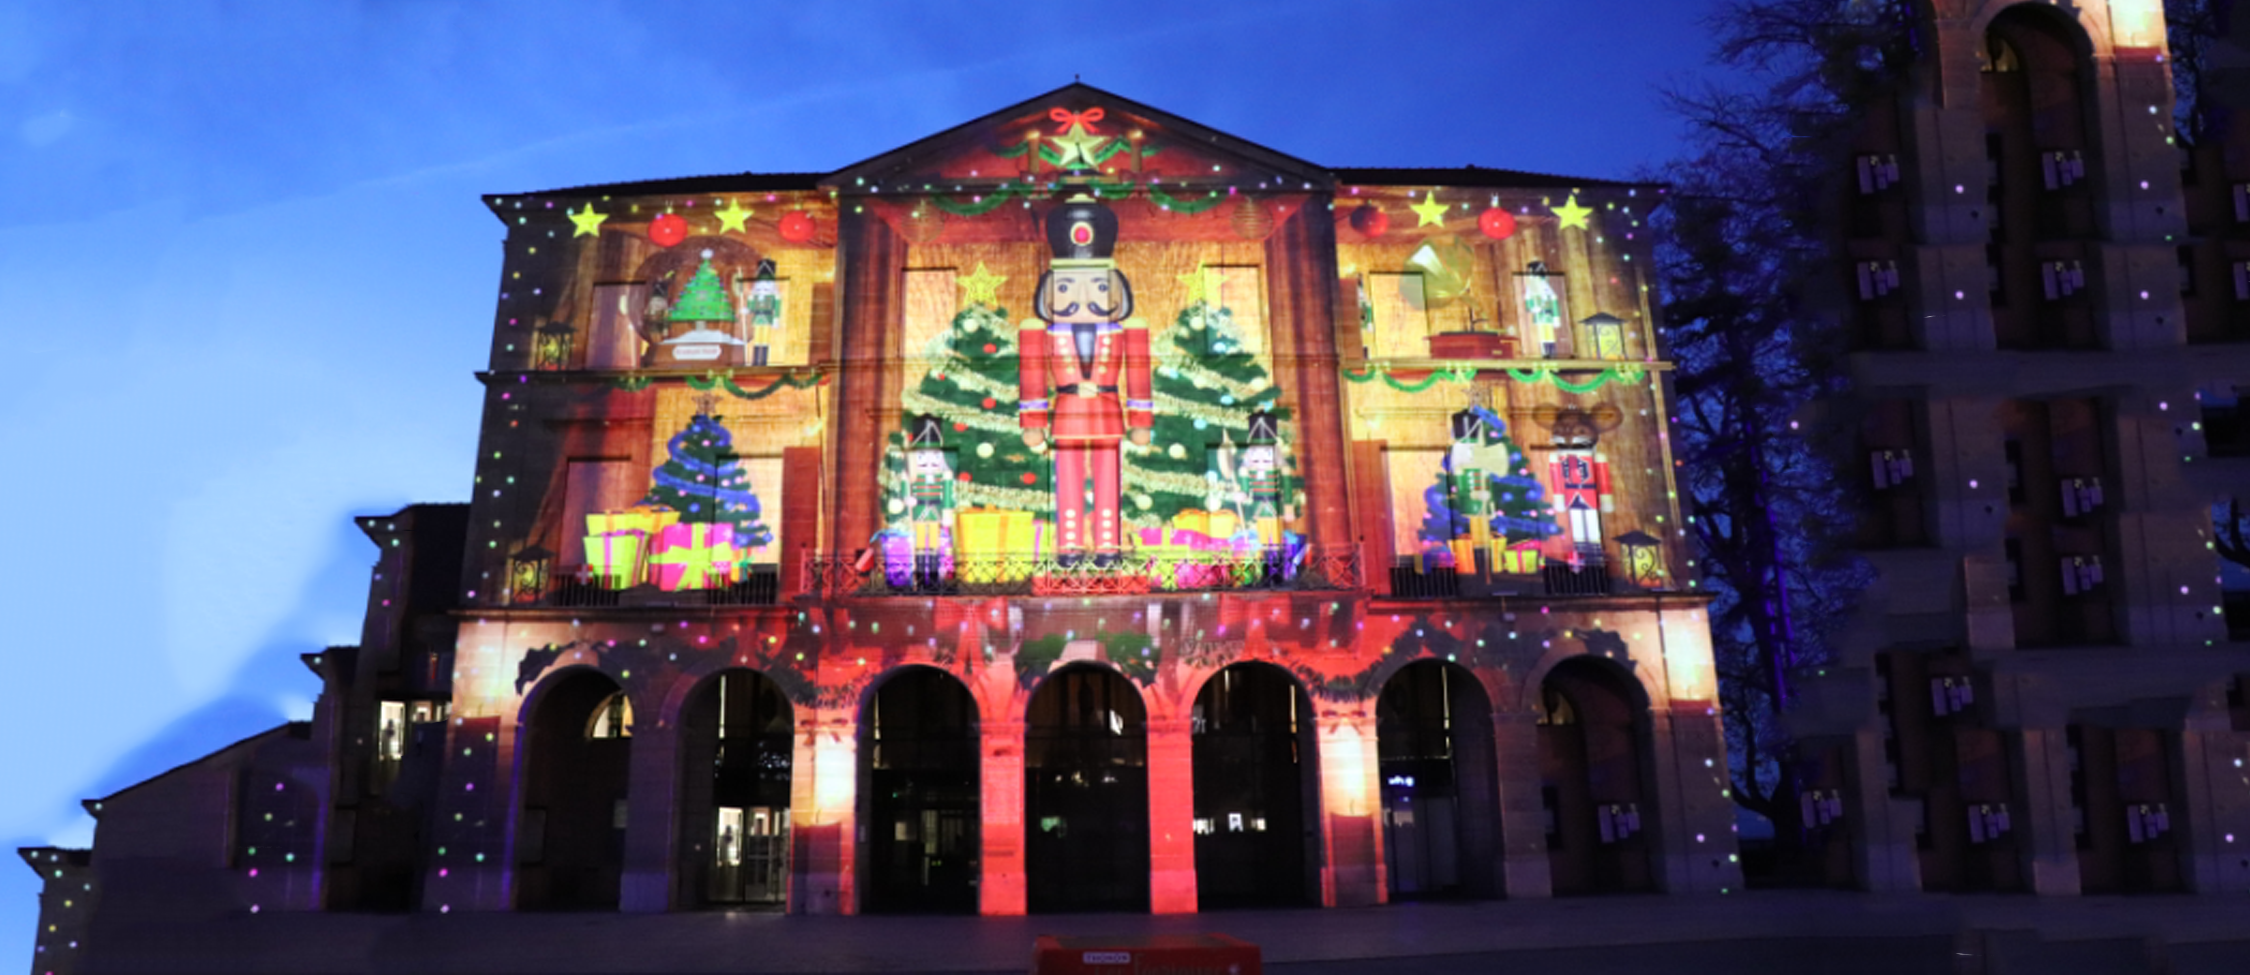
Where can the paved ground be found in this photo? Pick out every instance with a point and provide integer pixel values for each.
(1820, 932)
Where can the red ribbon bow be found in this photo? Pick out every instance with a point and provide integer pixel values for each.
(1069, 118)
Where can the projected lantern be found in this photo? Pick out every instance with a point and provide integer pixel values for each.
(1606, 332)
(527, 573)
(550, 349)
(1644, 558)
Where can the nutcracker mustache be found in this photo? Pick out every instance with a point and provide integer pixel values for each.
(1072, 309)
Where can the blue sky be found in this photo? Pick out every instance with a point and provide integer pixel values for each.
(248, 275)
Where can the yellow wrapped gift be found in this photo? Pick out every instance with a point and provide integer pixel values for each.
(638, 519)
(1524, 559)
(1223, 524)
(1195, 520)
(994, 543)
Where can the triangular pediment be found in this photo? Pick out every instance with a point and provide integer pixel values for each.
(1079, 133)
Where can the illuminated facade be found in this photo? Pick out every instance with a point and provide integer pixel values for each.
(1077, 510)
(2045, 690)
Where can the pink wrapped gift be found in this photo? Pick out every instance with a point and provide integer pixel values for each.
(695, 556)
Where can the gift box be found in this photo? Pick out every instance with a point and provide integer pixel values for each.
(648, 521)
(898, 556)
(615, 557)
(693, 556)
(1000, 543)
(1524, 559)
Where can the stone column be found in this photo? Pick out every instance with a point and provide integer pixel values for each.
(1350, 801)
(825, 785)
(1301, 299)
(2044, 838)
(652, 846)
(1694, 810)
(1525, 873)
(1171, 816)
(1000, 888)
(871, 262)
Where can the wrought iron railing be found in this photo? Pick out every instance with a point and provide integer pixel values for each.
(761, 587)
(872, 574)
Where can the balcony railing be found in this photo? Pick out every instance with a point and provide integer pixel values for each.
(1590, 577)
(871, 574)
(759, 588)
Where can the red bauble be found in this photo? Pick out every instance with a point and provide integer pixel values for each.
(669, 229)
(963, 476)
(1370, 219)
(959, 426)
(796, 226)
(990, 348)
(988, 401)
(1030, 478)
(1497, 223)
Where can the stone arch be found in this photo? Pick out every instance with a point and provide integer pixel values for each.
(1596, 783)
(1257, 802)
(1440, 782)
(735, 746)
(1086, 803)
(569, 837)
(920, 801)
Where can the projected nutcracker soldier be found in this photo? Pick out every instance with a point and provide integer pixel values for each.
(929, 488)
(1077, 356)
(760, 305)
(1582, 497)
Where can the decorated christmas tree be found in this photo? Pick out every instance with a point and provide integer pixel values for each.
(1207, 384)
(703, 298)
(971, 389)
(705, 482)
(1518, 510)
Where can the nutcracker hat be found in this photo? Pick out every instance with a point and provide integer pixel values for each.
(1082, 232)
(765, 269)
(928, 432)
(1263, 428)
(1469, 426)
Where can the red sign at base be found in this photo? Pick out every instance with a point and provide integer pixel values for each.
(1155, 954)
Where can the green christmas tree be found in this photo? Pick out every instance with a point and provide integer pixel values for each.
(1207, 384)
(703, 298)
(704, 481)
(972, 388)
(1516, 508)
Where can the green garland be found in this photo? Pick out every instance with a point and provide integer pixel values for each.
(1624, 373)
(1457, 373)
(1177, 205)
(979, 207)
(714, 380)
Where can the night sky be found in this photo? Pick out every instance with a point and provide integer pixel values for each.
(248, 274)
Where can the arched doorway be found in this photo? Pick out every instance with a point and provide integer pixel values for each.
(735, 752)
(570, 842)
(918, 763)
(1253, 741)
(1086, 793)
(1591, 779)
(1441, 801)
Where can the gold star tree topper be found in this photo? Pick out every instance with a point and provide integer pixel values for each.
(981, 287)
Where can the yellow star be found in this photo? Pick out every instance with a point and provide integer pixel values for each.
(982, 287)
(1195, 286)
(589, 223)
(732, 217)
(1571, 214)
(1078, 147)
(1431, 212)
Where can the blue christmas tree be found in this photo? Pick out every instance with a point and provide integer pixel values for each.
(704, 482)
(1519, 509)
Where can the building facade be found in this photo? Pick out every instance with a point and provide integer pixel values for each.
(1080, 509)
(2044, 692)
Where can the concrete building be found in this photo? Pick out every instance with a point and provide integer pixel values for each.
(2045, 691)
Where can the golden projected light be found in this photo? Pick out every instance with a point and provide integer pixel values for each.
(1346, 784)
(2137, 23)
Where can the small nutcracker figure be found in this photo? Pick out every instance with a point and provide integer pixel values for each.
(1542, 308)
(1260, 484)
(759, 300)
(1471, 488)
(929, 496)
(1581, 479)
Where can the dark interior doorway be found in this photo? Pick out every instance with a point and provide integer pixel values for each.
(736, 749)
(918, 748)
(1253, 741)
(570, 842)
(1592, 780)
(1086, 794)
(1440, 785)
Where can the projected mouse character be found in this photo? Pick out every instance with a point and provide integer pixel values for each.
(1076, 357)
